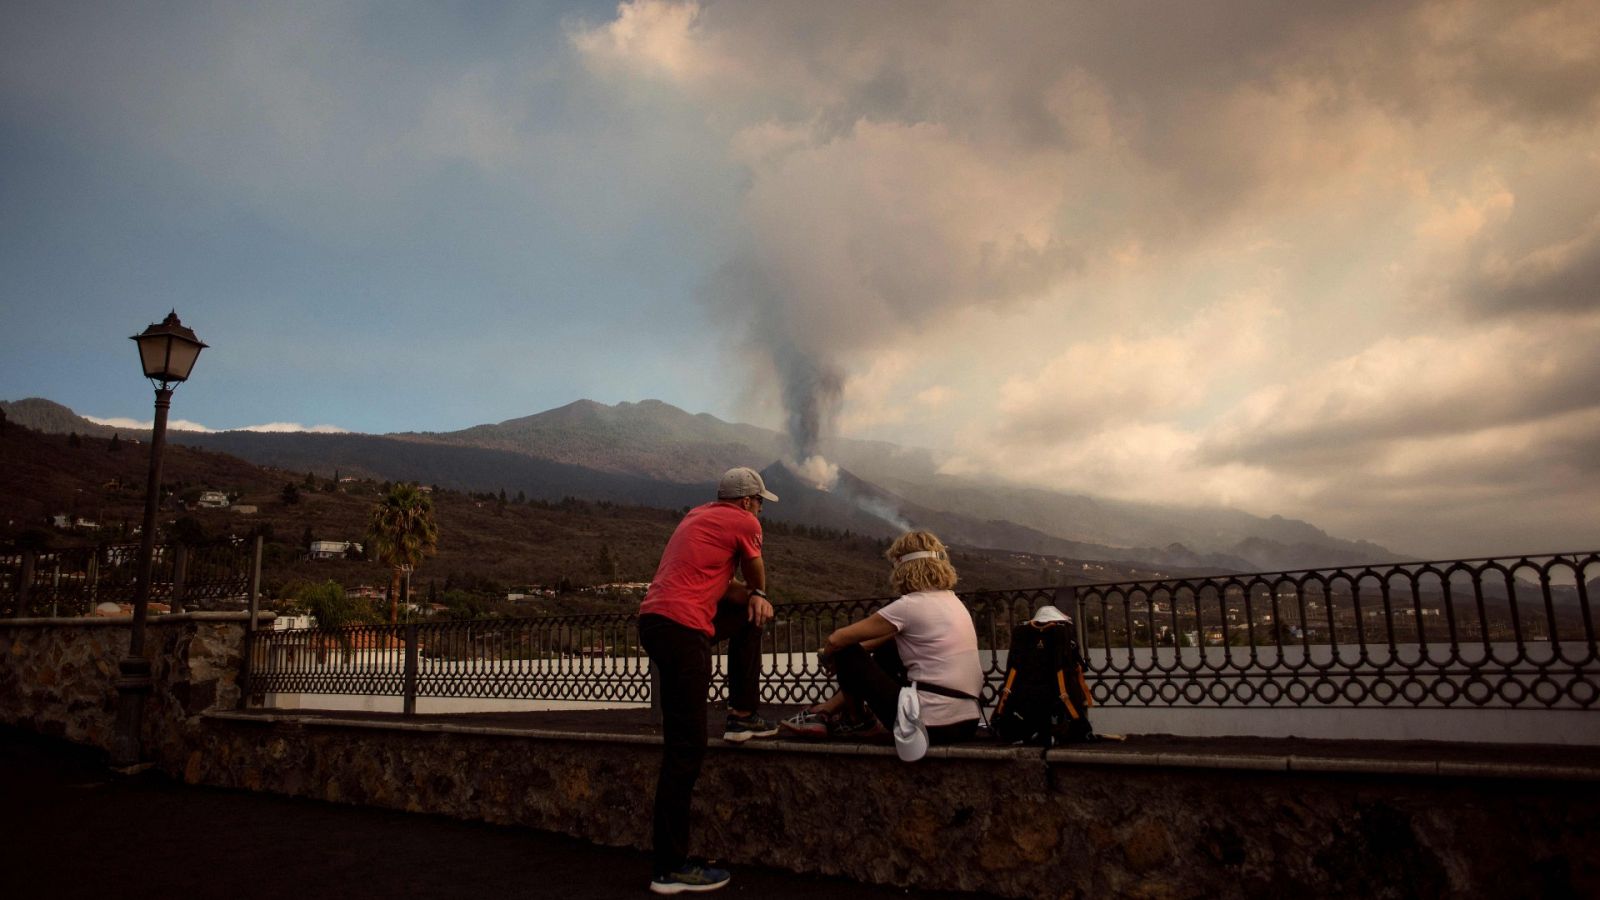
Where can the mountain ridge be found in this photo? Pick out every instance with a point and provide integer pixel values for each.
(653, 453)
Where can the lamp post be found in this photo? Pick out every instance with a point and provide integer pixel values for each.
(168, 352)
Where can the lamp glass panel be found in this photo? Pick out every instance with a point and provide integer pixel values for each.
(184, 353)
(153, 353)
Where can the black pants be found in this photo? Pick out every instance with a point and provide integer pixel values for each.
(681, 656)
(876, 680)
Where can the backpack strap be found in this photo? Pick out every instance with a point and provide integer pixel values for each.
(1061, 683)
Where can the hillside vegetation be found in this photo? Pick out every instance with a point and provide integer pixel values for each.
(487, 546)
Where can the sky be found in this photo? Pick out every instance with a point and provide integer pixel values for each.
(1337, 261)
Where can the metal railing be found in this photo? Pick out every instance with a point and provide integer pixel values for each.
(73, 581)
(1501, 633)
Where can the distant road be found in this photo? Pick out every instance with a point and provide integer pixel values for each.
(75, 830)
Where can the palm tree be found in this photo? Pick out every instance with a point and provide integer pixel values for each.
(401, 532)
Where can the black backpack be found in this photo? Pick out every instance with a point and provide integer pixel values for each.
(1045, 700)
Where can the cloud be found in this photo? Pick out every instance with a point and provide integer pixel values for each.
(1093, 384)
(147, 424)
(1417, 387)
(294, 426)
(1234, 251)
(1561, 276)
(1334, 260)
(650, 36)
(186, 425)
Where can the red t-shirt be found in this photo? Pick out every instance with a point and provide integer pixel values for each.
(699, 561)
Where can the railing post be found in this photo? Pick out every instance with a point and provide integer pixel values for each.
(410, 707)
(246, 665)
(255, 583)
(180, 570)
(1067, 602)
(25, 582)
(55, 589)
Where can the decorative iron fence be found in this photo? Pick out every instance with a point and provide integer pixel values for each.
(73, 581)
(1502, 633)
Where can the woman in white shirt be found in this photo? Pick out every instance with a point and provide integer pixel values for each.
(925, 636)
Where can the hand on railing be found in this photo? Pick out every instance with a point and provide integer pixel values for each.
(760, 610)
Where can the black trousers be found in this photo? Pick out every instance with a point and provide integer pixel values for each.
(876, 679)
(681, 656)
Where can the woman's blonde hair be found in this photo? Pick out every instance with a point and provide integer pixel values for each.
(928, 573)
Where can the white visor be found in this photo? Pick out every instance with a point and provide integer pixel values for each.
(920, 554)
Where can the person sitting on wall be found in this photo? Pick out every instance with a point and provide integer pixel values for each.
(926, 636)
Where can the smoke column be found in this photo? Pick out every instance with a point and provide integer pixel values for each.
(812, 390)
(811, 393)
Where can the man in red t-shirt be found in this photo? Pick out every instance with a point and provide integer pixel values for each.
(692, 603)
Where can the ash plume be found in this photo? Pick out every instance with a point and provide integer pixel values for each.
(812, 389)
(881, 508)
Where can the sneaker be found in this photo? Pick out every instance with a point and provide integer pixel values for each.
(742, 728)
(690, 878)
(806, 724)
(867, 728)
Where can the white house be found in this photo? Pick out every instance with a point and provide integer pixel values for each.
(212, 500)
(332, 549)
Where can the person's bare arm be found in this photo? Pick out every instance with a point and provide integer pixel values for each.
(755, 578)
(874, 643)
(868, 632)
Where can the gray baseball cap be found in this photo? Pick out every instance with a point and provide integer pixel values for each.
(743, 482)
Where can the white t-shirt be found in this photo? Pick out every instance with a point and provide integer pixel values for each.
(938, 644)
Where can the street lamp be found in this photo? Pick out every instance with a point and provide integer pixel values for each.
(168, 352)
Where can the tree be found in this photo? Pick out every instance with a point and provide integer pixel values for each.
(33, 539)
(73, 440)
(291, 494)
(188, 530)
(334, 609)
(116, 443)
(606, 564)
(400, 533)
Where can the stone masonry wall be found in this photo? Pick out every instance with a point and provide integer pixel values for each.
(58, 676)
(1004, 822)
(1008, 826)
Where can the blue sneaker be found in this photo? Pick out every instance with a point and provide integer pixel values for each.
(690, 877)
(742, 728)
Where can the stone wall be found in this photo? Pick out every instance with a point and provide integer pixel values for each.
(58, 676)
(1002, 821)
